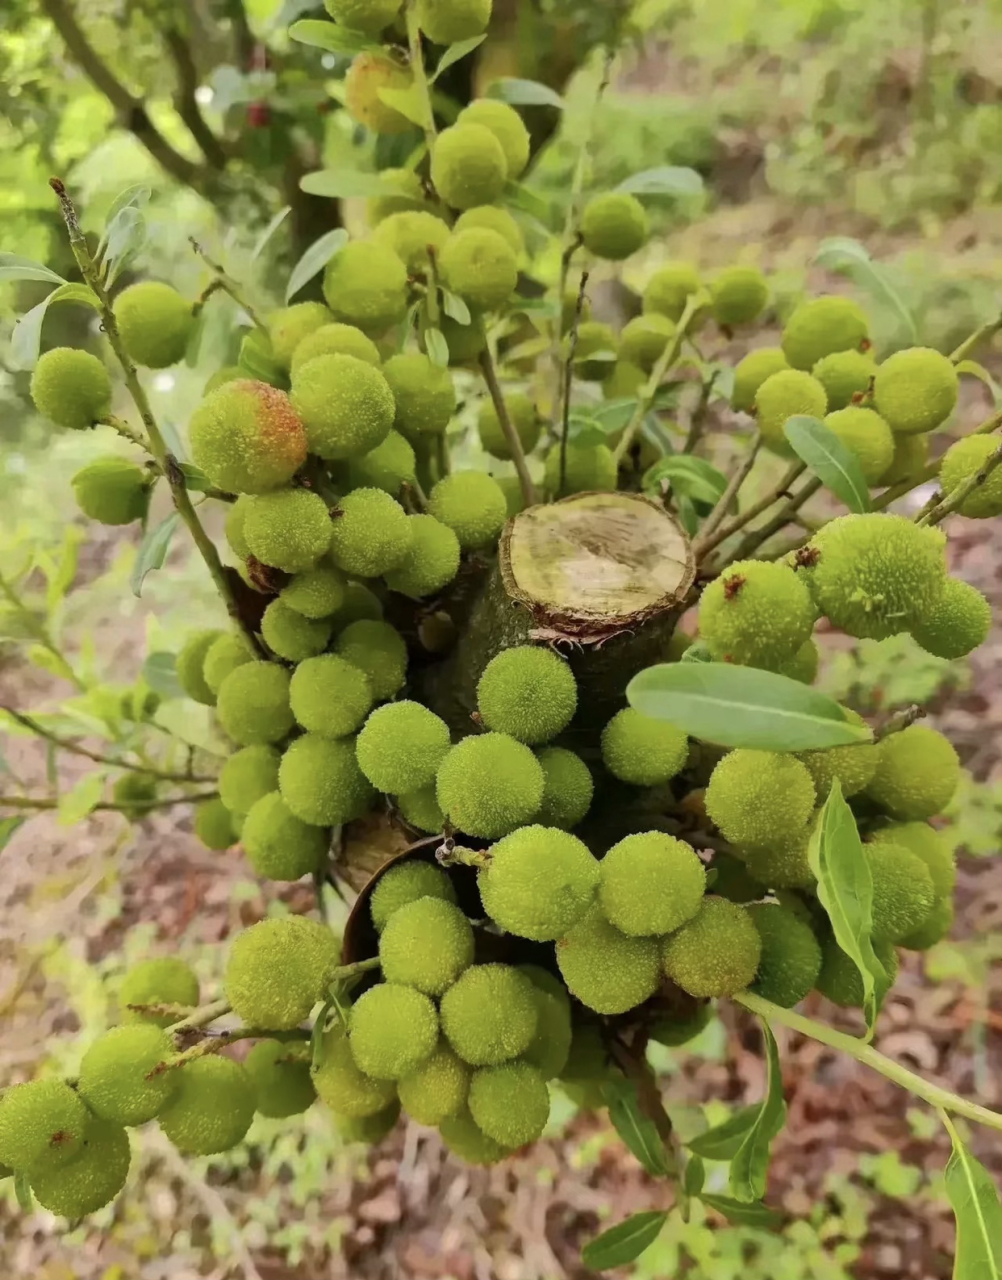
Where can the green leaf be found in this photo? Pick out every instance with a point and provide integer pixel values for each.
(836, 466)
(125, 236)
(152, 551)
(76, 804)
(137, 196)
(845, 890)
(160, 673)
(722, 1141)
(976, 1206)
(742, 707)
(344, 184)
(525, 93)
(456, 52)
(536, 206)
(330, 36)
(75, 293)
(26, 337)
(750, 1165)
(14, 267)
(743, 1215)
(455, 308)
(842, 253)
(54, 663)
(60, 579)
(22, 1190)
(698, 651)
(437, 347)
(8, 826)
(610, 417)
(265, 237)
(979, 371)
(694, 477)
(315, 259)
(694, 1176)
(195, 480)
(257, 361)
(638, 1131)
(172, 439)
(410, 103)
(623, 1243)
(667, 180)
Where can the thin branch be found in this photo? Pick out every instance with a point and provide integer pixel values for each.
(957, 497)
(416, 51)
(507, 427)
(979, 335)
(870, 1057)
(780, 489)
(201, 1017)
(903, 719)
(564, 393)
(729, 494)
(185, 102)
(698, 419)
(126, 431)
(222, 281)
(349, 971)
(751, 542)
(216, 1044)
(37, 804)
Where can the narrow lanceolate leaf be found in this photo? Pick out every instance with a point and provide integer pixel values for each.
(978, 1211)
(845, 890)
(724, 1140)
(842, 253)
(455, 308)
(315, 259)
(15, 267)
(834, 465)
(75, 805)
(694, 1177)
(525, 93)
(437, 347)
(693, 477)
(743, 1215)
(160, 673)
(456, 52)
(623, 1243)
(321, 34)
(8, 827)
(667, 180)
(75, 293)
(344, 184)
(750, 1165)
(411, 103)
(742, 707)
(266, 235)
(638, 1132)
(26, 337)
(152, 551)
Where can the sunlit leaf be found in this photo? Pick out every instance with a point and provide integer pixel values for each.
(125, 236)
(437, 347)
(835, 465)
(26, 337)
(694, 477)
(315, 259)
(14, 267)
(455, 308)
(344, 184)
(623, 1243)
(152, 551)
(265, 237)
(975, 1201)
(410, 103)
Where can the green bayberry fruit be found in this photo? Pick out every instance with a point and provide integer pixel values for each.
(472, 505)
(292, 636)
(738, 295)
(803, 666)
(342, 1086)
(867, 436)
(552, 1042)
(431, 562)
(360, 605)
(278, 845)
(136, 794)
(121, 1077)
(164, 980)
(321, 782)
(917, 773)
(510, 1103)
(614, 225)
(247, 437)
(365, 284)
(538, 883)
(92, 1179)
(421, 810)
(626, 380)
(490, 1015)
(190, 666)
(426, 944)
(854, 766)
(346, 405)
(669, 288)
(903, 893)
(253, 705)
(437, 1088)
(717, 953)
(587, 468)
(278, 969)
(603, 968)
(934, 928)
(43, 1125)
(155, 323)
(822, 326)
(759, 797)
(71, 388)
(911, 453)
(651, 883)
(368, 75)
(449, 21)
(246, 776)
(959, 621)
(757, 613)
(643, 751)
(963, 461)
(844, 376)
(212, 1108)
(468, 167)
(315, 593)
(784, 395)
(567, 790)
(234, 527)
(595, 351)
(379, 651)
(225, 654)
(288, 327)
(493, 218)
(415, 236)
(112, 490)
(916, 390)
(929, 845)
(480, 265)
(371, 534)
(733, 880)
(281, 1079)
(214, 825)
(506, 125)
(783, 862)
(490, 784)
(527, 692)
(329, 696)
(334, 340)
(751, 371)
(406, 882)
(840, 980)
(402, 190)
(524, 418)
(389, 466)
(644, 339)
(401, 747)
(791, 955)
(424, 395)
(461, 1135)
(392, 1030)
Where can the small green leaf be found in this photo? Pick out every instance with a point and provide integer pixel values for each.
(667, 180)
(842, 253)
(722, 1141)
(437, 347)
(137, 196)
(14, 267)
(525, 93)
(623, 1243)
(743, 1215)
(54, 663)
(694, 477)
(8, 827)
(979, 371)
(845, 890)
(455, 308)
(315, 259)
(978, 1211)
(750, 1165)
(22, 1190)
(638, 1132)
(456, 52)
(317, 1036)
(76, 804)
(195, 480)
(698, 651)
(410, 103)
(26, 337)
(75, 293)
(160, 673)
(836, 466)
(172, 439)
(65, 570)
(152, 551)
(344, 184)
(320, 34)
(125, 236)
(735, 706)
(257, 361)
(265, 237)
(694, 1176)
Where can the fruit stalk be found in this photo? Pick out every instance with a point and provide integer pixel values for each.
(510, 434)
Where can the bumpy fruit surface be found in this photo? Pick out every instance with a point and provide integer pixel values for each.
(651, 883)
(446, 21)
(426, 944)
(606, 970)
(957, 624)
(415, 236)
(321, 782)
(253, 704)
(791, 955)
(292, 636)
(423, 393)
(717, 953)
(641, 750)
(366, 285)
(845, 375)
(539, 882)
(402, 190)
(875, 575)
(568, 789)
(472, 505)
(154, 322)
(784, 395)
(431, 562)
(783, 863)
(329, 696)
(407, 882)
(278, 969)
(360, 605)
(911, 453)
(614, 225)
(510, 1103)
(928, 844)
(119, 1080)
(917, 773)
(191, 664)
(370, 1130)
(644, 339)
(315, 593)
(371, 17)
(342, 1086)
(594, 352)
(212, 1108)
(586, 467)
(751, 371)
(370, 533)
(281, 1079)
(963, 461)
(247, 437)
(346, 406)
(840, 980)
(389, 466)
(401, 747)
(89, 1181)
(214, 825)
(248, 775)
(524, 418)
(480, 265)
(935, 927)
(367, 75)
(854, 766)
(42, 1125)
(278, 845)
(111, 490)
(71, 388)
(669, 288)
(493, 218)
(903, 893)
(224, 655)
(626, 380)
(916, 390)
(392, 1030)
(822, 326)
(551, 1044)
(490, 1014)
(734, 881)
(468, 166)
(436, 1089)
(489, 785)
(136, 793)
(867, 437)
(287, 328)
(165, 980)
(738, 295)
(506, 125)
(378, 650)
(334, 339)
(421, 810)
(757, 613)
(527, 692)
(758, 797)
(465, 1140)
